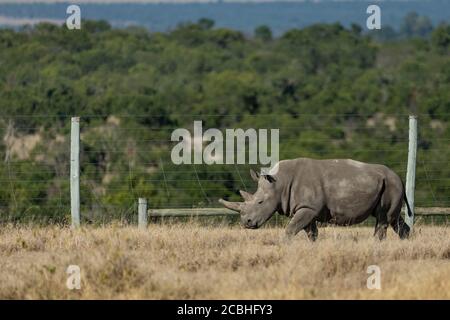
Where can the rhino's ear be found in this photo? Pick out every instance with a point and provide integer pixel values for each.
(247, 196)
(254, 175)
(269, 178)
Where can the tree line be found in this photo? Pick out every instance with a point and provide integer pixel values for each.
(332, 91)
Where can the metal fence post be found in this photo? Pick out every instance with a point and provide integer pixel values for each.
(411, 173)
(75, 172)
(142, 213)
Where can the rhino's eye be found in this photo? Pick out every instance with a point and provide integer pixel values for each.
(260, 201)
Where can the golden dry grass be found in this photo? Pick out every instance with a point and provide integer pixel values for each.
(190, 261)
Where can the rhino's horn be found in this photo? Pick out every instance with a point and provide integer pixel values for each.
(246, 195)
(236, 206)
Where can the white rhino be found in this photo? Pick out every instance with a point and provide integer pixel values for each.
(337, 191)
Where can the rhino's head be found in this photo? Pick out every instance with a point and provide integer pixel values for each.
(259, 207)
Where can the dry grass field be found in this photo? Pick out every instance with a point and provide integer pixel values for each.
(193, 261)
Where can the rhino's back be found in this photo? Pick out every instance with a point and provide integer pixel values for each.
(330, 169)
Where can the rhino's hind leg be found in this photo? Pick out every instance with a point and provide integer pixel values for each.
(381, 224)
(312, 231)
(400, 227)
(380, 230)
(396, 221)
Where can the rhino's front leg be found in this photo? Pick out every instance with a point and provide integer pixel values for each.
(312, 231)
(301, 219)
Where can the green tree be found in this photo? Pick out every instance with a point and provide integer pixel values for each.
(263, 33)
(414, 25)
(206, 23)
(440, 38)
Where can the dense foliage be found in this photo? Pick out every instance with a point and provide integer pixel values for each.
(332, 91)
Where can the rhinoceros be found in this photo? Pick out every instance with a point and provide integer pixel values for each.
(335, 191)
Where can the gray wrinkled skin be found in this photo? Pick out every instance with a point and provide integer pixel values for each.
(337, 191)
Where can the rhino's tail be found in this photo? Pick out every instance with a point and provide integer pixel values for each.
(406, 201)
(407, 204)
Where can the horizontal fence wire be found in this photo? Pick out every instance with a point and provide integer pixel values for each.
(124, 158)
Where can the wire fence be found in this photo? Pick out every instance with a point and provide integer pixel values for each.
(129, 156)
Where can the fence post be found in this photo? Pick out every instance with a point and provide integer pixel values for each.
(142, 213)
(75, 172)
(411, 173)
